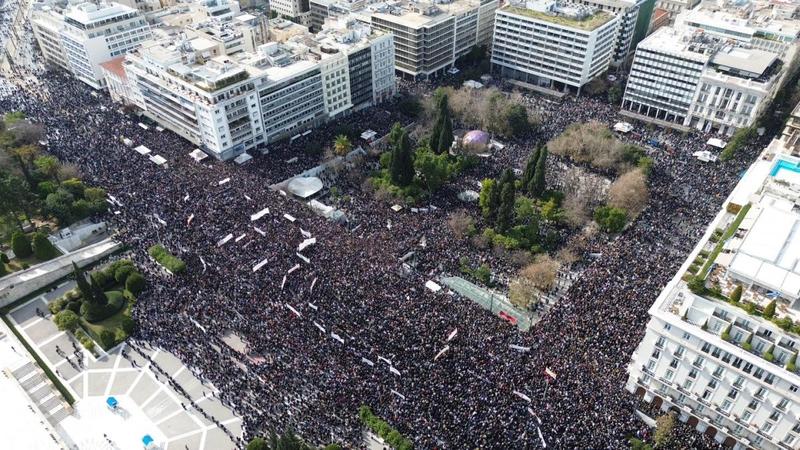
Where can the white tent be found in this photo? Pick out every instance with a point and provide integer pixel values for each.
(719, 143)
(472, 84)
(705, 156)
(304, 187)
(158, 160)
(142, 150)
(198, 155)
(127, 142)
(144, 127)
(623, 127)
(368, 135)
(243, 158)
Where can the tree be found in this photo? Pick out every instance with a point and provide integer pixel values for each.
(401, 169)
(106, 338)
(83, 285)
(791, 366)
(522, 293)
(21, 245)
(530, 170)
(542, 272)
(726, 334)
(24, 156)
(769, 310)
(736, 295)
(461, 224)
(59, 205)
(43, 249)
(394, 135)
(769, 355)
(505, 212)
(551, 212)
(538, 184)
(98, 296)
(66, 320)
(433, 169)
(257, 443)
(445, 140)
(74, 186)
(489, 199)
(610, 219)
(665, 426)
(16, 198)
(48, 166)
(517, 118)
(614, 94)
(629, 192)
(135, 283)
(342, 145)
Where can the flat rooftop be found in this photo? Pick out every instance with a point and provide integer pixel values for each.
(749, 60)
(588, 23)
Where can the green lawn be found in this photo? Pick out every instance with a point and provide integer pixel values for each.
(590, 23)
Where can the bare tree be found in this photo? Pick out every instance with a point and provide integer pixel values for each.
(542, 272)
(522, 293)
(591, 143)
(629, 191)
(460, 223)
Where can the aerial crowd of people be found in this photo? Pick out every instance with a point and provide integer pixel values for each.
(337, 324)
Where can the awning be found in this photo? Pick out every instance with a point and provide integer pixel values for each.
(304, 187)
(142, 150)
(719, 143)
(158, 160)
(198, 155)
(112, 402)
(623, 127)
(368, 135)
(243, 158)
(147, 440)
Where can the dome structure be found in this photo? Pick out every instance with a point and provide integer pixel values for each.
(476, 137)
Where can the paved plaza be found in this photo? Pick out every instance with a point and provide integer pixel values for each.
(147, 403)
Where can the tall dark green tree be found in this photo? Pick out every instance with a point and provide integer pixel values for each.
(83, 285)
(98, 297)
(446, 135)
(530, 169)
(401, 168)
(394, 134)
(505, 212)
(538, 183)
(488, 199)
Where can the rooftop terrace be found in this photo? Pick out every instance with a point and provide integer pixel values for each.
(587, 23)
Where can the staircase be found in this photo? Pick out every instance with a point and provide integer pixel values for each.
(42, 393)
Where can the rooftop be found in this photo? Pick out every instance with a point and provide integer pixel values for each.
(115, 66)
(415, 14)
(564, 14)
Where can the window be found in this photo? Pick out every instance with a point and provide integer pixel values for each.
(679, 351)
(769, 379)
(739, 381)
(718, 372)
(789, 439)
(753, 405)
(693, 374)
(688, 384)
(746, 416)
(686, 336)
(775, 416)
(782, 404)
(733, 393)
(668, 376)
(674, 363)
(793, 388)
(758, 373)
(760, 393)
(767, 427)
(748, 367)
(726, 406)
(706, 348)
(717, 352)
(706, 395)
(698, 362)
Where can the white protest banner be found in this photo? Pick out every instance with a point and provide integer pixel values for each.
(522, 396)
(225, 240)
(283, 282)
(321, 328)
(398, 394)
(305, 233)
(204, 264)
(394, 371)
(519, 348)
(296, 312)
(189, 220)
(312, 284)
(441, 352)
(534, 415)
(306, 243)
(258, 215)
(367, 362)
(381, 358)
(337, 337)
(247, 198)
(221, 182)
(312, 306)
(452, 334)
(260, 231)
(288, 217)
(305, 260)
(240, 237)
(295, 267)
(186, 199)
(260, 264)
(550, 373)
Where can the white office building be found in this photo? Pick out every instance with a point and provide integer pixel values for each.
(553, 45)
(728, 372)
(83, 36)
(428, 37)
(297, 10)
(634, 20)
(692, 79)
(228, 104)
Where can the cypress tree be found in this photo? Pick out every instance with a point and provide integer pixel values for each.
(83, 285)
(530, 169)
(98, 296)
(446, 135)
(538, 184)
(505, 213)
(402, 168)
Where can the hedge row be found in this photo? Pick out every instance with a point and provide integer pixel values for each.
(166, 259)
(384, 430)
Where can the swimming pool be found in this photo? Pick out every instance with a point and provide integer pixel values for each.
(782, 165)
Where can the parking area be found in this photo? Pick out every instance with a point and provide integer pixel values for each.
(148, 405)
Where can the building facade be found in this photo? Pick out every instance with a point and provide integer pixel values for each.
(229, 104)
(88, 35)
(707, 73)
(552, 45)
(727, 372)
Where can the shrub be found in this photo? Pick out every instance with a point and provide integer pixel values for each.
(128, 325)
(21, 245)
(102, 278)
(66, 320)
(74, 306)
(769, 355)
(57, 305)
(85, 340)
(697, 285)
(333, 446)
(122, 273)
(43, 249)
(610, 219)
(726, 334)
(736, 295)
(791, 365)
(119, 336)
(750, 307)
(167, 260)
(746, 345)
(257, 443)
(483, 274)
(95, 313)
(785, 323)
(769, 311)
(4, 258)
(106, 337)
(384, 430)
(135, 283)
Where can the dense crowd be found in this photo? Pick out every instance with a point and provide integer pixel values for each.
(347, 328)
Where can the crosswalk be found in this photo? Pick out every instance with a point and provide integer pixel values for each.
(42, 393)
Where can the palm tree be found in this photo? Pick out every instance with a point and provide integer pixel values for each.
(342, 145)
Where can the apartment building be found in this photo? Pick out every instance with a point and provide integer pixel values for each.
(228, 104)
(723, 366)
(633, 24)
(85, 35)
(688, 78)
(675, 7)
(428, 37)
(554, 45)
(297, 10)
